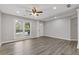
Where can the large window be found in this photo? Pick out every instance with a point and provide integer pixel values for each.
(27, 28)
(19, 27)
(22, 27)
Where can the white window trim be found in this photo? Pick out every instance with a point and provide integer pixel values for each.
(23, 23)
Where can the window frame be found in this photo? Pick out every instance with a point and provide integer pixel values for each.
(23, 28)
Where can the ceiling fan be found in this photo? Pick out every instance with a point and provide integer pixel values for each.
(35, 12)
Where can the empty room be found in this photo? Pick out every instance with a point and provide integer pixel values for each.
(39, 29)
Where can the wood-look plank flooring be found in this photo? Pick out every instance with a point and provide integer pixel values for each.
(40, 46)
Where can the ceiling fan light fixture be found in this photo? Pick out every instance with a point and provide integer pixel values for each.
(34, 14)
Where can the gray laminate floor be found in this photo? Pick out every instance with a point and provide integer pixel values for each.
(40, 46)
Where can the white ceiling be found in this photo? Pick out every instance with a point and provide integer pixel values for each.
(48, 11)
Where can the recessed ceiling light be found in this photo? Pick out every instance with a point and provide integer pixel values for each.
(18, 12)
(55, 17)
(54, 7)
(16, 20)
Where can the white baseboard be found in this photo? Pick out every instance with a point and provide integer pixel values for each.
(63, 38)
(19, 39)
(14, 40)
(73, 40)
(77, 46)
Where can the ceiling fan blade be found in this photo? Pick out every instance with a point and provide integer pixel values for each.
(30, 14)
(34, 10)
(39, 12)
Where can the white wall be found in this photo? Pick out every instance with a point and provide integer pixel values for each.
(73, 29)
(40, 29)
(8, 28)
(59, 28)
(0, 28)
(78, 27)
